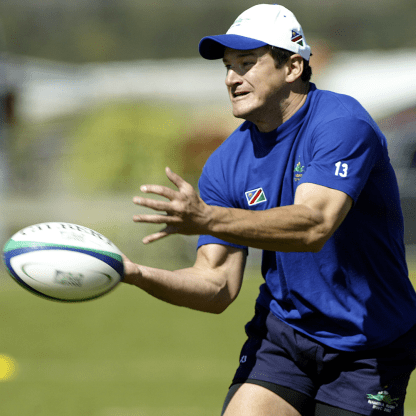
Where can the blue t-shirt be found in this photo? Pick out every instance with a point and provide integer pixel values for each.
(355, 293)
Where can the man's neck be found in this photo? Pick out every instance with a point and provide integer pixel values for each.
(284, 111)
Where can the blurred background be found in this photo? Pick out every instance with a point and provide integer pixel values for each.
(96, 98)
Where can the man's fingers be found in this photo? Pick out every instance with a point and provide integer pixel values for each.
(159, 190)
(178, 181)
(156, 219)
(179, 209)
(159, 235)
(152, 203)
(154, 237)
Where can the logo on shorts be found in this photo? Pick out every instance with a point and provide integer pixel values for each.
(382, 401)
(256, 196)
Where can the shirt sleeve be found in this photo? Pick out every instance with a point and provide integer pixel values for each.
(214, 192)
(344, 151)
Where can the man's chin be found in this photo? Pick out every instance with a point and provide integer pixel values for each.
(238, 113)
(239, 116)
(246, 112)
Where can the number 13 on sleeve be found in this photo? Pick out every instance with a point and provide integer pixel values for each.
(341, 169)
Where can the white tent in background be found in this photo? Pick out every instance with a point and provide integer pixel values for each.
(383, 81)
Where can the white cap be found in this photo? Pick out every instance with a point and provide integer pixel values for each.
(261, 25)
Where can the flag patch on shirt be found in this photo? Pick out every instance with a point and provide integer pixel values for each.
(256, 196)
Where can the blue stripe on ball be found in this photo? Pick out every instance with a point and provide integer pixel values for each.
(117, 265)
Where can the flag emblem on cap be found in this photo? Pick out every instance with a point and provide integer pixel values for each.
(297, 38)
(256, 196)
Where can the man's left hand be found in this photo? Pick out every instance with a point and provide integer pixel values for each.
(185, 212)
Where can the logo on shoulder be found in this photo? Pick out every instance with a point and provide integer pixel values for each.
(298, 171)
(256, 196)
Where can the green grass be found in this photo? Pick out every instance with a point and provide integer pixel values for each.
(125, 354)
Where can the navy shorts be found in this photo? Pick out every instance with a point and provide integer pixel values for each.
(371, 382)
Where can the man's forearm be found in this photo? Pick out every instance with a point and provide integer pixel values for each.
(191, 288)
(288, 228)
(304, 226)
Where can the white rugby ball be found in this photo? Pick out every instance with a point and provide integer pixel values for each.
(64, 262)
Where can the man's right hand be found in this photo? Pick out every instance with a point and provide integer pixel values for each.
(131, 271)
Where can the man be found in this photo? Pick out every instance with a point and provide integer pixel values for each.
(307, 179)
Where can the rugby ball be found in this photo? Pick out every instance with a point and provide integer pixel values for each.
(63, 262)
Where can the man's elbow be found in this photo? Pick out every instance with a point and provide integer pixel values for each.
(222, 301)
(316, 247)
(215, 307)
(316, 239)
(218, 309)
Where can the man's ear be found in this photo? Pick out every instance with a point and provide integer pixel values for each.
(294, 67)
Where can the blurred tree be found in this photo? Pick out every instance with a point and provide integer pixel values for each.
(118, 147)
(102, 30)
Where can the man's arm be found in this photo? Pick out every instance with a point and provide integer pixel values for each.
(304, 226)
(211, 285)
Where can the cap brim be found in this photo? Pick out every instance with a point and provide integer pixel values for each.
(213, 47)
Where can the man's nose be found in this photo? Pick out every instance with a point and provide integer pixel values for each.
(233, 77)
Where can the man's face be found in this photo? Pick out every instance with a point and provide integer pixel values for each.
(255, 86)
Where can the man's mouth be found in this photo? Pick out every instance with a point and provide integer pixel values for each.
(239, 94)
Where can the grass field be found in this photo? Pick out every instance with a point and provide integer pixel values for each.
(125, 354)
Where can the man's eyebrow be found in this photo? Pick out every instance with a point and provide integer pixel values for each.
(242, 55)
